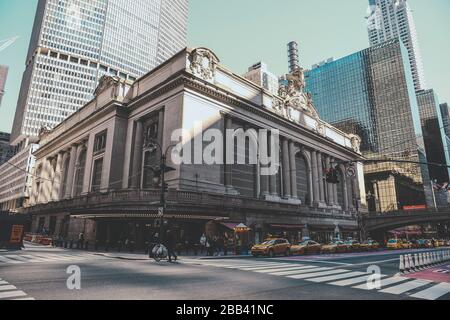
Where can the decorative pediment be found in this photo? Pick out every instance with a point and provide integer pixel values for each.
(293, 96)
(356, 142)
(203, 63)
(104, 83)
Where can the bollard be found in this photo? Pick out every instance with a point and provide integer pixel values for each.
(407, 266)
(412, 266)
(420, 261)
(402, 265)
(416, 261)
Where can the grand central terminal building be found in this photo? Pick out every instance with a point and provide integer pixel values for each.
(94, 172)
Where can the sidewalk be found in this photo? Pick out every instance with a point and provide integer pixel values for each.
(135, 256)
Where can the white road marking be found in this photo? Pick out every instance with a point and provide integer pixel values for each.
(384, 282)
(348, 282)
(336, 277)
(405, 287)
(433, 293)
(8, 259)
(23, 299)
(7, 288)
(3, 282)
(317, 274)
(300, 271)
(275, 269)
(267, 267)
(12, 294)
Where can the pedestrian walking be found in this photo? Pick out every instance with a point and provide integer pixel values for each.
(203, 242)
(170, 245)
(80, 240)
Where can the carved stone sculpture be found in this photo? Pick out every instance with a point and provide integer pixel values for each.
(203, 63)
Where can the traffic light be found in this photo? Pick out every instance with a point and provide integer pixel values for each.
(332, 176)
(165, 187)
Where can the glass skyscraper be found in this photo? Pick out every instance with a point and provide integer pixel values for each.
(436, 141)
(393, 19)
(3, 76)
(75, 42)
(371, 93)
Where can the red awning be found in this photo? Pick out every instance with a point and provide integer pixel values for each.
(288, 226)
(229, 225)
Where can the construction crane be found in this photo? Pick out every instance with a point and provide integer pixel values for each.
(6, 43)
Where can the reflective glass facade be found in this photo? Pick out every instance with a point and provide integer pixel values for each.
(393, 19)
(75, 42)
(371, 94)
(436, 142)
(3, 76)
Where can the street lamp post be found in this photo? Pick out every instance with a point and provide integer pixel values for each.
(159, 178)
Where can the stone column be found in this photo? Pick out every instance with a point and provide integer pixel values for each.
(320, 177)
(345, 186)
(273, 188)
(315, 178)
(71, 171)
(286, 169)
(293, 165)
(335, 186)
(264, 179)
(62, 177)
(136, 169)
(57, 178)
(330, 191)
(228, 169)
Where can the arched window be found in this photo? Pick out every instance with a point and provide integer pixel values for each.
(340, 188)
(79, 174)
(244, 175)
(64, 177)
(303, 192)
(150, 161)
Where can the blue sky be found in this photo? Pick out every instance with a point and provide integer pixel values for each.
(243, 32)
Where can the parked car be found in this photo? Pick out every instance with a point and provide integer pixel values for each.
(370, 245)
(424, 243)
(271, 248)
(336, 246)
(440, 243)
(306, 247)
(353, 245)
(396, 244)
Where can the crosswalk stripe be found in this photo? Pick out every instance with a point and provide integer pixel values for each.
(3, 282)
(433, 293)
(32, 258)
(19, 258)
(7, 288)
(300, 271)
(294, 270)
(383, 283)
(9, 259)
(12, 294)
(317, 274)
(280, 269)
(348, 282)
(336, 277)
(251, 265)
(50, 257)
(287, 265)
(405, 287)
(23, 299)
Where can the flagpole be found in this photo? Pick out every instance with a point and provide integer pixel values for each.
(434, 196)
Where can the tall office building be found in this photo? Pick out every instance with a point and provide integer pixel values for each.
(75, 42)
(393, 19)
(259, 74)
(6, 151)
(436, 141)
(445, 113)
(371, 93)
(3, 76)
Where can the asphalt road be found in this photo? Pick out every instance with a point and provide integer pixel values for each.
(41, 274)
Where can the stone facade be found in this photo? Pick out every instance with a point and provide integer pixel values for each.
(94, 171)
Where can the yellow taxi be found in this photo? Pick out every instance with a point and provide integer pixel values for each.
(306, 247)
(353, 245)
(271, 248)
(336, 246)
(396, 244)
(370, 245)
